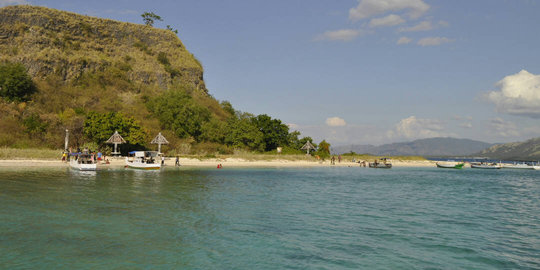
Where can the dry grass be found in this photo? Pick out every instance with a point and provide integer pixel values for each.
(31, 153)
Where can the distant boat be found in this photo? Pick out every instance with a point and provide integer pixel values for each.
(450, 165)
(82, 162)
(482, 165)
(536, 167)
(383, 163)
(521, 166)
(144, 160)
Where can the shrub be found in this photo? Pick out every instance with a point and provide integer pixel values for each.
(15, 83)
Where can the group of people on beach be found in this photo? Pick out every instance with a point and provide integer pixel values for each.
(94, 156)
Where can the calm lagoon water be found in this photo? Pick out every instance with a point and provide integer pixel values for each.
(322, 218)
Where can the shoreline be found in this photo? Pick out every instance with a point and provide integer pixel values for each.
(212, 163)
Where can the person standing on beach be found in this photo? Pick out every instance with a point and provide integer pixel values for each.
(177, 162)
(162, 160)
(339, 158)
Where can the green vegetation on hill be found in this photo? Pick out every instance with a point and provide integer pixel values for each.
(93, 76)
(527, 150)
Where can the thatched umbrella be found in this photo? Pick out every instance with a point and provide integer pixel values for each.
(159, 140)
(116, 139)
(308, 147)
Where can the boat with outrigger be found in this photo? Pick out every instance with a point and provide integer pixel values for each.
(143, 160)
(518, 166)
(450, 164)
(82, 161)
(383, 163)
(485, 165)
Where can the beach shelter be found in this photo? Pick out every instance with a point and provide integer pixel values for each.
(116, 139)
(308, 147)
(159, 140)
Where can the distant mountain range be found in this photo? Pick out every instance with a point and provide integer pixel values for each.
(527, 150)
(422, 147)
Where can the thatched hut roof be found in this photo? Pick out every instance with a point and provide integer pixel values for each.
(308, 146)
(116, 138)
(159, 139)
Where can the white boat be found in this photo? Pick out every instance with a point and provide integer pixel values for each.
(82, 162)
(143, 160)
(536, 167)
(450, 164)
(521, 166)
(483, 165)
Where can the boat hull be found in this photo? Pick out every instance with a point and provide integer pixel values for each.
(488, 167)
(83, 167)
(380, 165)
(518, 167)
(143, 166)
(450, 166)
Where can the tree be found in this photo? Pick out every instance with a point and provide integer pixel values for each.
(323, 150)
(177, 111)
(274, 132)
(15, 83)
(150, 17)
(213, 131)
(173, 30)
(99, 127)
(242, 133)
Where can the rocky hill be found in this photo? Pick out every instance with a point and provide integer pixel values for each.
(60, 70)
(68, 45)
(527, 150)
(422, 147)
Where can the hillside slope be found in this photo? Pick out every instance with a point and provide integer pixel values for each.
(422, 147)
(60, 70)
(527, 150)
(49, 41)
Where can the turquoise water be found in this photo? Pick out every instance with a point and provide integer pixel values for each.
(320, 218)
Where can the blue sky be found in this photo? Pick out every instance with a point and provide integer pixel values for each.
(362, 71)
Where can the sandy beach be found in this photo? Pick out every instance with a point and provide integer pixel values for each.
(212, 163)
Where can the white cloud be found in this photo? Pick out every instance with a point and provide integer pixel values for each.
(504, 128)
(422, 26)
(433, 41)
(335, 122)
(404, 40)
(417, 128)
(339, 35)
(389, 20)
(4, 3)
(369, 8)
(519, 94)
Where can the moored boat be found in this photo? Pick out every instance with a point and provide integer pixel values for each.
(144, 160)
(450, 165)
(383, 163)
(521, 166)
(485, 165)
(82, 162)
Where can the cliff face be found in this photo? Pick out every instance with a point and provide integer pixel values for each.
(68, 45)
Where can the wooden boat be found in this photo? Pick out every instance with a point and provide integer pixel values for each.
(383, 163)
(143, 160)
(520, 166)
(485, 165)
(82, 162)
(450, 165)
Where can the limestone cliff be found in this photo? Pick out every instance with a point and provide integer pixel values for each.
(68, 45)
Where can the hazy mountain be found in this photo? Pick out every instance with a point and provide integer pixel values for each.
(527, 150)
(422, 147)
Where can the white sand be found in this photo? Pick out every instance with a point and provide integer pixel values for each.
(212, 163)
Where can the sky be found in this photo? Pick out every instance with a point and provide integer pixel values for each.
(361, 71)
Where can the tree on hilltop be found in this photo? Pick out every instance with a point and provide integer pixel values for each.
(150, 17)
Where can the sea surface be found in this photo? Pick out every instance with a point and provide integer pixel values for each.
(308, 218)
